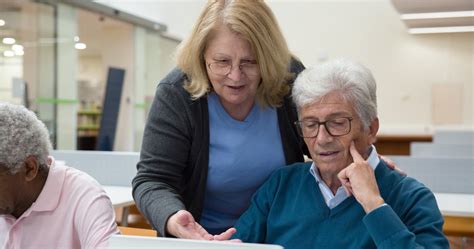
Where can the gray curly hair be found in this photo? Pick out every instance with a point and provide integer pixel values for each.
(22, 135)
(353, 80)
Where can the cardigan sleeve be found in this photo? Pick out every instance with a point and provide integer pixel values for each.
(163, 158)
(418, 225)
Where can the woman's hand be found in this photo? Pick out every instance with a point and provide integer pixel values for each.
(183, 225)
(391, 164)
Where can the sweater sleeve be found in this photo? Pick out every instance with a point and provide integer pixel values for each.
(163, 159)
(418, 226)
(252, 224)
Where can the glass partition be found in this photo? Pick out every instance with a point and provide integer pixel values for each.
(54, 59)
(27, 58)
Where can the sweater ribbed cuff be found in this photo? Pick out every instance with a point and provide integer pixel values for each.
(382, 223)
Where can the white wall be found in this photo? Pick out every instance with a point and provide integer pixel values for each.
(37, 24)
(66, 75)
(406, 67)
(178, 15)
(10, 68)
(118, 51)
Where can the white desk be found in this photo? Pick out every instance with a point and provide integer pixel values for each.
(121, 197)
(461, 205)
(458, 213)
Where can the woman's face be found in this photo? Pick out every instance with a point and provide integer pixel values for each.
(232, 69)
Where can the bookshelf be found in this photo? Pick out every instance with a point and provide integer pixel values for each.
(88, 125)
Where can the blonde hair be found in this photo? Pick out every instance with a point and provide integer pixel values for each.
(255, 22)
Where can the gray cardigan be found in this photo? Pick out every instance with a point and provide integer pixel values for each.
(172, 171)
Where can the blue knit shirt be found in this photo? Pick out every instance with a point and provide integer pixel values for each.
(242, 155)
(290, 210)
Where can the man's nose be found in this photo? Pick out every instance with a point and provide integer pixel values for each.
(323, 135)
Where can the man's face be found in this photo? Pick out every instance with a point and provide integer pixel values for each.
(331, 153)
(9, 191)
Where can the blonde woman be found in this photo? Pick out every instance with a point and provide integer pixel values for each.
(220, 122)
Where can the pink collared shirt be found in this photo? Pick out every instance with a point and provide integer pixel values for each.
(72, 211)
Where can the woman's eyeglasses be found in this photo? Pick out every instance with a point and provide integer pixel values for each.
(224, 67)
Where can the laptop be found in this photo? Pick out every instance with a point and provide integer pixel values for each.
(126, 241)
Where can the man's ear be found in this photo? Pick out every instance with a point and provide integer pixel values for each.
(31, 168)
(373, 129)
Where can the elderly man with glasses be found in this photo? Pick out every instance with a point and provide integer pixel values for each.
(346, 198)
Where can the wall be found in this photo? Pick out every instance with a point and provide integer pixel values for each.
(66, 75)
(39, 61)
(91, 81)
(118, 51)
(10, 68)
(408, 68)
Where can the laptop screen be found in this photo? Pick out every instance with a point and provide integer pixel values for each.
(124, 241)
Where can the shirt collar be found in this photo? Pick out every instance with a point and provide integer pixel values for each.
(373, 161)
(49, 197)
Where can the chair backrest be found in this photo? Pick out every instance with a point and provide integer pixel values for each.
(454, 137)
(426, 149)
(107, 167)
(444, 175)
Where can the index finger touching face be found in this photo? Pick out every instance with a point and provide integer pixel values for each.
(356, 156)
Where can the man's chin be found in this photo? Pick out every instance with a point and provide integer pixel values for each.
(331, 168)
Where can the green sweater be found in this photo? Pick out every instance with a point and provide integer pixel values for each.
(290, 210)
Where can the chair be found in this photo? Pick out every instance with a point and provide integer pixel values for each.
(137, 231)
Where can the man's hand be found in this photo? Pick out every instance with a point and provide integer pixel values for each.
(358, 179)
(183, 225)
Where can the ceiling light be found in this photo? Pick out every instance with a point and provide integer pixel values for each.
(76, 38)
(458, 29)
(8, 53)
(20, 52)
(435, 15)
(17, 47)
(80, 45)
(8, 40)
(2, 22)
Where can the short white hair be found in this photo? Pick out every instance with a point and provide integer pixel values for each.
(353, 80)
(22, 135)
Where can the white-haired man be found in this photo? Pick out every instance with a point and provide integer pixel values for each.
(346, 198)
(43, 204)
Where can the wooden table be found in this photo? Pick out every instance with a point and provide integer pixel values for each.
(393, 144)
(458, 213)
